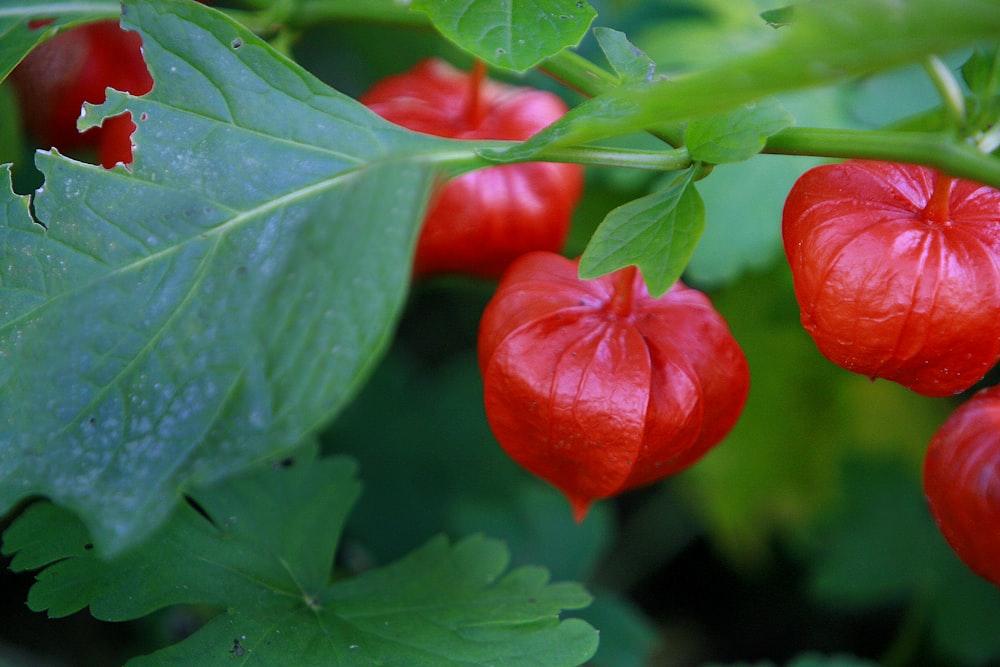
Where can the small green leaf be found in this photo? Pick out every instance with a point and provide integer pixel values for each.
(18, 35)
(261, 547)
(628, 61)
(737, 135)
(981, 71)
(512, 34)
(779, 17)
(657, 233)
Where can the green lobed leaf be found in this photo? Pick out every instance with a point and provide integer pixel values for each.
(215, 303)
(628, 61)
(830, 41)
(512, 34)
(737, 135)
(658, 233)
(18, 35)
(262, 546)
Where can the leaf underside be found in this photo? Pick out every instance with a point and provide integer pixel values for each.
(214, 304)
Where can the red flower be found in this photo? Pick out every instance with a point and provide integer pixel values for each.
(597, 387)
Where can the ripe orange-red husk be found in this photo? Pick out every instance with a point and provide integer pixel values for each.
(597, 387)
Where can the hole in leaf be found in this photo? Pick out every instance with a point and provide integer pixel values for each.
(89, 59)
(196, 506)
(115, 142)
(280, 464)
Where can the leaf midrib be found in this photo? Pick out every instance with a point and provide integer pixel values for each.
(232, 224)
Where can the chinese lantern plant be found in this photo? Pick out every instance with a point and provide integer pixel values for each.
(598, 387)
(216, 306)
(77, 66)
(481, 221)
(962, 482)
(896, 271)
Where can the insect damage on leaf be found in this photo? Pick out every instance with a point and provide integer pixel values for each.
(179, 321)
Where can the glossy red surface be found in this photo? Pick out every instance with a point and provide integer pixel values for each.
(892, 281)
(479, 222)
(597, 387)
(962, 482)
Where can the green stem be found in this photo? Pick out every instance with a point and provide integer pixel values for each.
(935, 150)
(576, 72)
(669, 160)
(573, 70)
(990, 140)
(948, 89)
(470, 156)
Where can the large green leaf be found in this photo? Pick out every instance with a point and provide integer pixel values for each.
(262, 546)
(513, 34)
(829, 41)
(213, 305)
(18, 35)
